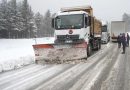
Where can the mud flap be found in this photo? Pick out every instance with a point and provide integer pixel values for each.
(59, 53)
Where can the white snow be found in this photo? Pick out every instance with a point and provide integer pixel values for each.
(15, 53)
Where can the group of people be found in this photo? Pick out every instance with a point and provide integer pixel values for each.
(124, 40)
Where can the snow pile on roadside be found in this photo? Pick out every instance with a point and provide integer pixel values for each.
(16, 53)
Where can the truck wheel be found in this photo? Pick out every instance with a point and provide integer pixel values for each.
(99, 45)
(89, 50)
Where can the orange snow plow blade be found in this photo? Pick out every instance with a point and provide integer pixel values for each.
(52, 53)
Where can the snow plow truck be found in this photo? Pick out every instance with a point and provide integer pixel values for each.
(77, 33)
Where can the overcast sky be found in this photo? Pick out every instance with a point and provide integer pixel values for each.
(103, 9)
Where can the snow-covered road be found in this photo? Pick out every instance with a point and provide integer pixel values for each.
(107, 69)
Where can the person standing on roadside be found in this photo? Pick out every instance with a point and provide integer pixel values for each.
(119, 40)
(128, 38)
(123, 41)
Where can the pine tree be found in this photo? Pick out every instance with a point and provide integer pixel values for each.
(31, 23)
(13, 18)
(48, 31)
(16, 20)
(28, 20)
(3, 20)
(20, 20)
(38, 22)
(24, 12)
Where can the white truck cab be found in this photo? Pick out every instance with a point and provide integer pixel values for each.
(72, 26)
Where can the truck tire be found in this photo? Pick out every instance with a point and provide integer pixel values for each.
(99, 45)
(89, 50)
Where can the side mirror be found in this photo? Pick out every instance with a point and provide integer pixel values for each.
(53, 23)
(86, 21)
(89, 23)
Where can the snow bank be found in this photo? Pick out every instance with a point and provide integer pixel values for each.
(16, 53)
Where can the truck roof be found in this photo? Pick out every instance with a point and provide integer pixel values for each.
(86, 8)
(117, 21)
(73, 12)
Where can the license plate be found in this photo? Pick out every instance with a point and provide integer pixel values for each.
(68, 41)
(62, 46)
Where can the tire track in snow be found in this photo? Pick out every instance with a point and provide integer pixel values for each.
(21, 82)
(17, 77)
(9, 78)
(88, 76)
(127, 70)
(62, 78)
(102, 72)
(116, 78)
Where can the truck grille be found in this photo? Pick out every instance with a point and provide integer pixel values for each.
(68, 37)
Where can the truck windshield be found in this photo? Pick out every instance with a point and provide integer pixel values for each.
(104, 28)
(69, 21)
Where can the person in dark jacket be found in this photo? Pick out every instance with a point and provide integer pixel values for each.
(128, 38)
(123, 41)
(119, 40)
